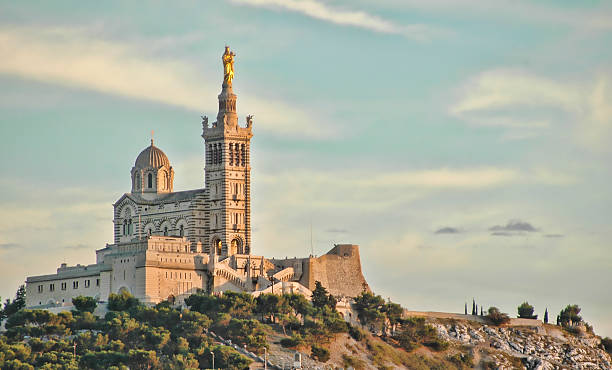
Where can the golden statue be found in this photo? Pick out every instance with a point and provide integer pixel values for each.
(228, 66)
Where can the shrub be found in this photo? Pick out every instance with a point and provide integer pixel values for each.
(354, 362)
(123, 301)
(356, 333)
(497, 317)
(607, 344)
(462, 360)
(84, 304)
(525, 311)
(570, 313)
(319, 353)
(294, 341)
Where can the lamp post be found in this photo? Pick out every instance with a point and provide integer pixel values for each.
(213, 359)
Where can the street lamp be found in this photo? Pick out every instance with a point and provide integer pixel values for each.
(213, 359)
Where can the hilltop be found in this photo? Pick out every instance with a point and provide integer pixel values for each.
(239, 331)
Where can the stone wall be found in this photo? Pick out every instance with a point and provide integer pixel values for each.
(339, 271)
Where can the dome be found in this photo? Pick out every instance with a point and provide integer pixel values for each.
(152, 157)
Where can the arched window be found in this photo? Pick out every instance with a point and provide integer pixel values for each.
(150, 180)
(182, 231)
(137, 181)
(166, 231)
(125, 227)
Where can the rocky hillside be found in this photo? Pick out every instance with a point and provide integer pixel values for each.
(543, 347)
(471, 344)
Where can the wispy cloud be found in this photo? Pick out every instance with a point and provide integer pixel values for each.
(447, 230)
(512, 228)
(519, 99)
(354, 18)
(73, 57)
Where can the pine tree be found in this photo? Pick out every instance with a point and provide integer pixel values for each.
(546, 316)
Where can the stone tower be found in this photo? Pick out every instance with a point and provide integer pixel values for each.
(228, 173)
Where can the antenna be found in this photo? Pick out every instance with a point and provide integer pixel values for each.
(311, 247)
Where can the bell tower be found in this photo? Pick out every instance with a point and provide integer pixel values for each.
(228, 172)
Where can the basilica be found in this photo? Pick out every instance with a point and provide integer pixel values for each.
(170, 244)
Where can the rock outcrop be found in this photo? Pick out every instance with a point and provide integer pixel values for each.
(543, 348)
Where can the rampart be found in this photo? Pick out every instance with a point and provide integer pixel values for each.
(339, 271)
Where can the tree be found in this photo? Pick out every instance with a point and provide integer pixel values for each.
(320, 297)
(465, 308)
(497, 317)
(473, 306)
(17, 304)
(481, 314)
(123, 301)
(525, 311)
(570, 314)
(546, 316)
(394, 313)
(369, 309)
(84, 304)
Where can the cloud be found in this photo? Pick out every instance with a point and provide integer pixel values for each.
(512, 228)
(79, 246)
(554, 236)
(518, 99)
(518, 11)
(447, 230)
(5, 246)
(336, 231)
(73, 57)
(359, 19)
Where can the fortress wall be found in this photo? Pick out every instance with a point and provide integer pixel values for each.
(339, 271)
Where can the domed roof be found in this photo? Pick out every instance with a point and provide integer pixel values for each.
(152, 157)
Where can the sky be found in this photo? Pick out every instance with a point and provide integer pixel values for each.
(464, 144)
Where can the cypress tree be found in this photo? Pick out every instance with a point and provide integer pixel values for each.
(476, 313)
(466, 308)
(546, 316)
(481, 314)
(473, 306)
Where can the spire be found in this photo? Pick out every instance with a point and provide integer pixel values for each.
(152, 132)
(227, 100)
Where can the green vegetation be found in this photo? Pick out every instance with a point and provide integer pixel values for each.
(525, 311)
(84, 304)
(497, 317)
(319, 353)
(570, 314)
(607, 344)
(130, 335)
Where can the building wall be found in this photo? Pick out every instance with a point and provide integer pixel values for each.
(88, 284)
(339, 271)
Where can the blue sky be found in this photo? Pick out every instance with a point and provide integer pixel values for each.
(464, 145)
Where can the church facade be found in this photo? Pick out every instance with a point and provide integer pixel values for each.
(172, 244)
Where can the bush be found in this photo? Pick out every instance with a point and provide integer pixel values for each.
(319, 353)
(607, 344)
(570, 313)
(496, 317)
(123, 301)
(356, 333)
(525, 311)
(294, 341)
(84, 304)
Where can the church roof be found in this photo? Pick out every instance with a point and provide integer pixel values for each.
(178, 196)
(152, 157)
